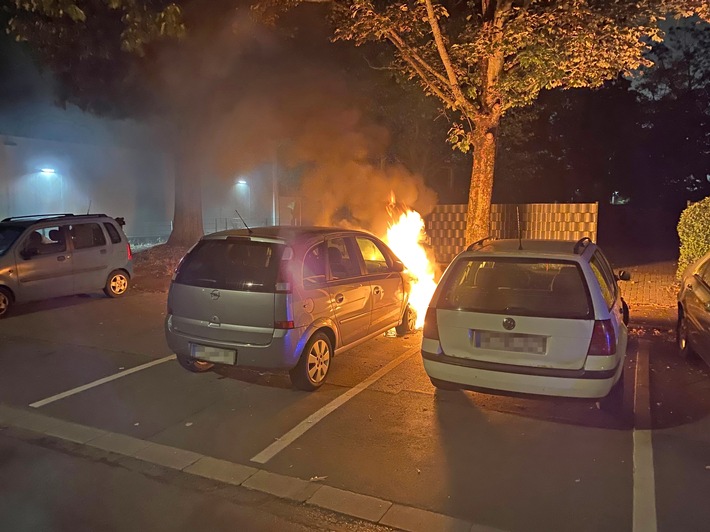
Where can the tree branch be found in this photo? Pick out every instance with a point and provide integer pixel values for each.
(445, 58)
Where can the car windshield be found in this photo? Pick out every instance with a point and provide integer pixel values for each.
(8, 235)
(523, 287)
(232, 264)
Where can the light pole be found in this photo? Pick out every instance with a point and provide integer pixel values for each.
(242, 185)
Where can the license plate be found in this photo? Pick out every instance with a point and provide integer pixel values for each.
(514, 342)
(213, 354)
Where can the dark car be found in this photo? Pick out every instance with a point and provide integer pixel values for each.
(693, 330)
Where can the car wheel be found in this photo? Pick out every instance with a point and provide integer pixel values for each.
(5, 301)
(684, 347)
(116, 284)
(409, 322)
(624, 312)
(444, 385)
(194, 365)
(314, 363)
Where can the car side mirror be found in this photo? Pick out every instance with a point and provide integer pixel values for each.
(398, 266)
(623, 276)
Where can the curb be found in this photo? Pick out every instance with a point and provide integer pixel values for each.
(317, 494)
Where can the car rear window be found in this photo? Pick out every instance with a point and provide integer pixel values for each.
(232, 264)
(523, 287)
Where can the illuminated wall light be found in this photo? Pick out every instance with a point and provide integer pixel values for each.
(47, 171)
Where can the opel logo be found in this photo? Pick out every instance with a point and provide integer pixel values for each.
(509, 324)
(214, 294)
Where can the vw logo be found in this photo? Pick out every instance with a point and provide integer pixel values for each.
(509, 324)
(214, 294)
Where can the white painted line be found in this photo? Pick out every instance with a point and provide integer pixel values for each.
(99, 382)
(644, 509)
(291, 436)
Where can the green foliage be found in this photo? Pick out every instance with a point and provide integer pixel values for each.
(141, 22)
(694, 233)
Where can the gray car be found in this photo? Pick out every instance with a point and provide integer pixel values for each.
(693, 330)
(52, 255)
(284, 298)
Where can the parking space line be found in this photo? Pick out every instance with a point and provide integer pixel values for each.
(288, 438)
(79, 389)
(644, 504)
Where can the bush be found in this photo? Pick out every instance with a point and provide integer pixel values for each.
(694, 233)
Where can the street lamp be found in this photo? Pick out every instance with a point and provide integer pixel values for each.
(244, 188)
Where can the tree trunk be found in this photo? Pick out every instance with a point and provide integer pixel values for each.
(187, 219)
(478, 216)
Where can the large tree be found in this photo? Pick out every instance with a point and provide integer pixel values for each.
(481, 58)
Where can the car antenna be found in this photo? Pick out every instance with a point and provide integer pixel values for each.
(242, 219)
(520, 234)
(89, 208)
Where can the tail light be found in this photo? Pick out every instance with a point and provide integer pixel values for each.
(603, 340)
(284, 325)
(128, 251)
(431, 327)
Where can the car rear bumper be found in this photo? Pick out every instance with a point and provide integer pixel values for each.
(281, 353)
(581, 384)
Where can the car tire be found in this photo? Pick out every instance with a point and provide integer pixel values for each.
(116, 284)
(444, 385)
(613, 402)
(314, 363)
(684, 347)
(625, 315)
(194, 365)
(409, 322)
(5, 301)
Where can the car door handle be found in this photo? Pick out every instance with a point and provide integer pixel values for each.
(339, 298)
(377, 290)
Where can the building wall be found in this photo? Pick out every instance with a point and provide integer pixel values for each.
(446, 225)
(133, 183)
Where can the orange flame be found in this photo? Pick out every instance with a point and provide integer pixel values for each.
(405, 236)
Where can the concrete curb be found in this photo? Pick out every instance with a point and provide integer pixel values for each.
(316, 494)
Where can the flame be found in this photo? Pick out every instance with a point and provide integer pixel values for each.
(405, 236)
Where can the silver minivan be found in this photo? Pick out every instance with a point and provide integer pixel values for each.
(53, 255)
(284, 297)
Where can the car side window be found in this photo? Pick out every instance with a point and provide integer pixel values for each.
(343, 262)
(112, 232)
(46, 241)
(87, 235)
(375, 260)
(607, 285)
(314, 266)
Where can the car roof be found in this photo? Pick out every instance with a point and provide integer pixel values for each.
(532, 248)
(26, 221)
(287, 233)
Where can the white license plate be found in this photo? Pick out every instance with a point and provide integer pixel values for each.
(213, 354)
(517, 343)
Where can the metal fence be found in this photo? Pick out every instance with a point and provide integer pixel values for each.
(446, 225)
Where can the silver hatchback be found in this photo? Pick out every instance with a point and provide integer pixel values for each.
(284, 297)
(52, 255)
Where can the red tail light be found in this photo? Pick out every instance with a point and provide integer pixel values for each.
(431, 327)
(128, 251)
(283, 325)
(603, 340)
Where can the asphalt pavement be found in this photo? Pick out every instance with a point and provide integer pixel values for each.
(377, 444)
